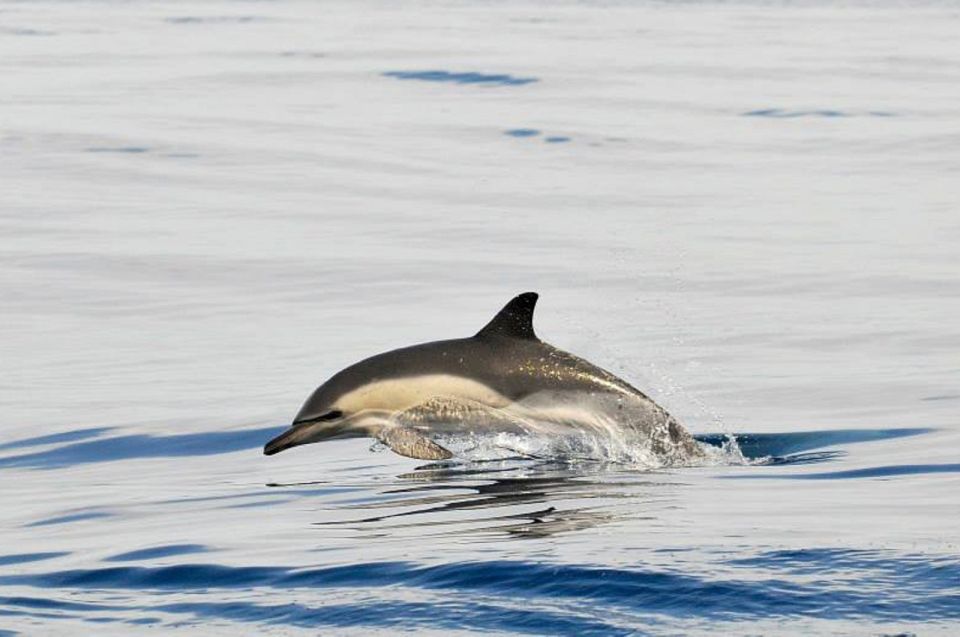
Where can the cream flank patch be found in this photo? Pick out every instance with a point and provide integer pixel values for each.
(403, 393)
(591, 410)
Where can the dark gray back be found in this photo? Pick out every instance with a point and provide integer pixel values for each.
(505, 355)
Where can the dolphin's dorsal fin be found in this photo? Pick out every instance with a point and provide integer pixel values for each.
(515, 320)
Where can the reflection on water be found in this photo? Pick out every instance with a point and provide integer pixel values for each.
(517, 498)
(525, 498)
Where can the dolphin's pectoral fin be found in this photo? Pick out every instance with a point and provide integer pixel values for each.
(409, 442)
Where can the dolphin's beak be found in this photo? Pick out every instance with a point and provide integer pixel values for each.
(302, 434)
(287, 439)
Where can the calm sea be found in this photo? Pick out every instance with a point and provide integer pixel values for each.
(750, 210)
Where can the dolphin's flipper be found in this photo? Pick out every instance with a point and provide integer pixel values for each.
(409, 442)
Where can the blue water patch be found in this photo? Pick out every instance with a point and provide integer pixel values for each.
(53, 604)
(24, 558)
(826, 112)
(141, 446)
(522, 132)
(755, 446)
(533, 132)
(73, 517)
(461, 78)
(158, 552)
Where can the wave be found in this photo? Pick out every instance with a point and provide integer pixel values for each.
(876, 585)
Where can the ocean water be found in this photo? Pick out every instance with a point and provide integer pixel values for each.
(750, 210)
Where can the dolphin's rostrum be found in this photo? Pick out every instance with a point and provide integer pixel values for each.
(503, 379)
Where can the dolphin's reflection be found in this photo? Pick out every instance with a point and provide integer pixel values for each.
(515, 499)
(528, 498)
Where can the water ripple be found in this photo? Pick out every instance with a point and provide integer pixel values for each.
(23, 558)
(157, 552)
(916, 588)
(461, 78)
(867, 472)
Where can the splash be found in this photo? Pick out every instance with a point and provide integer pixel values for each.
(587, 448)
(568, 448)
(581, 428)
(728, 453)
(480, 433)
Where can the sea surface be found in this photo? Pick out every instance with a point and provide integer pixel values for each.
(748, 209)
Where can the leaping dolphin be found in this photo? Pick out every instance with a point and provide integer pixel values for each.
(503, 379)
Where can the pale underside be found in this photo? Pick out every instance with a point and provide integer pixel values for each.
(568, 424)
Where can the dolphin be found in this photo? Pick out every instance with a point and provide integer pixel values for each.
(502, 379)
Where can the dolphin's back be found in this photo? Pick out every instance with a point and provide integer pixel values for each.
(503, 363)
(513, 368)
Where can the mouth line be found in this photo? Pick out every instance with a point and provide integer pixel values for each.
(333, 425)
(305, 432)
(324, 417)
(284, 441)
